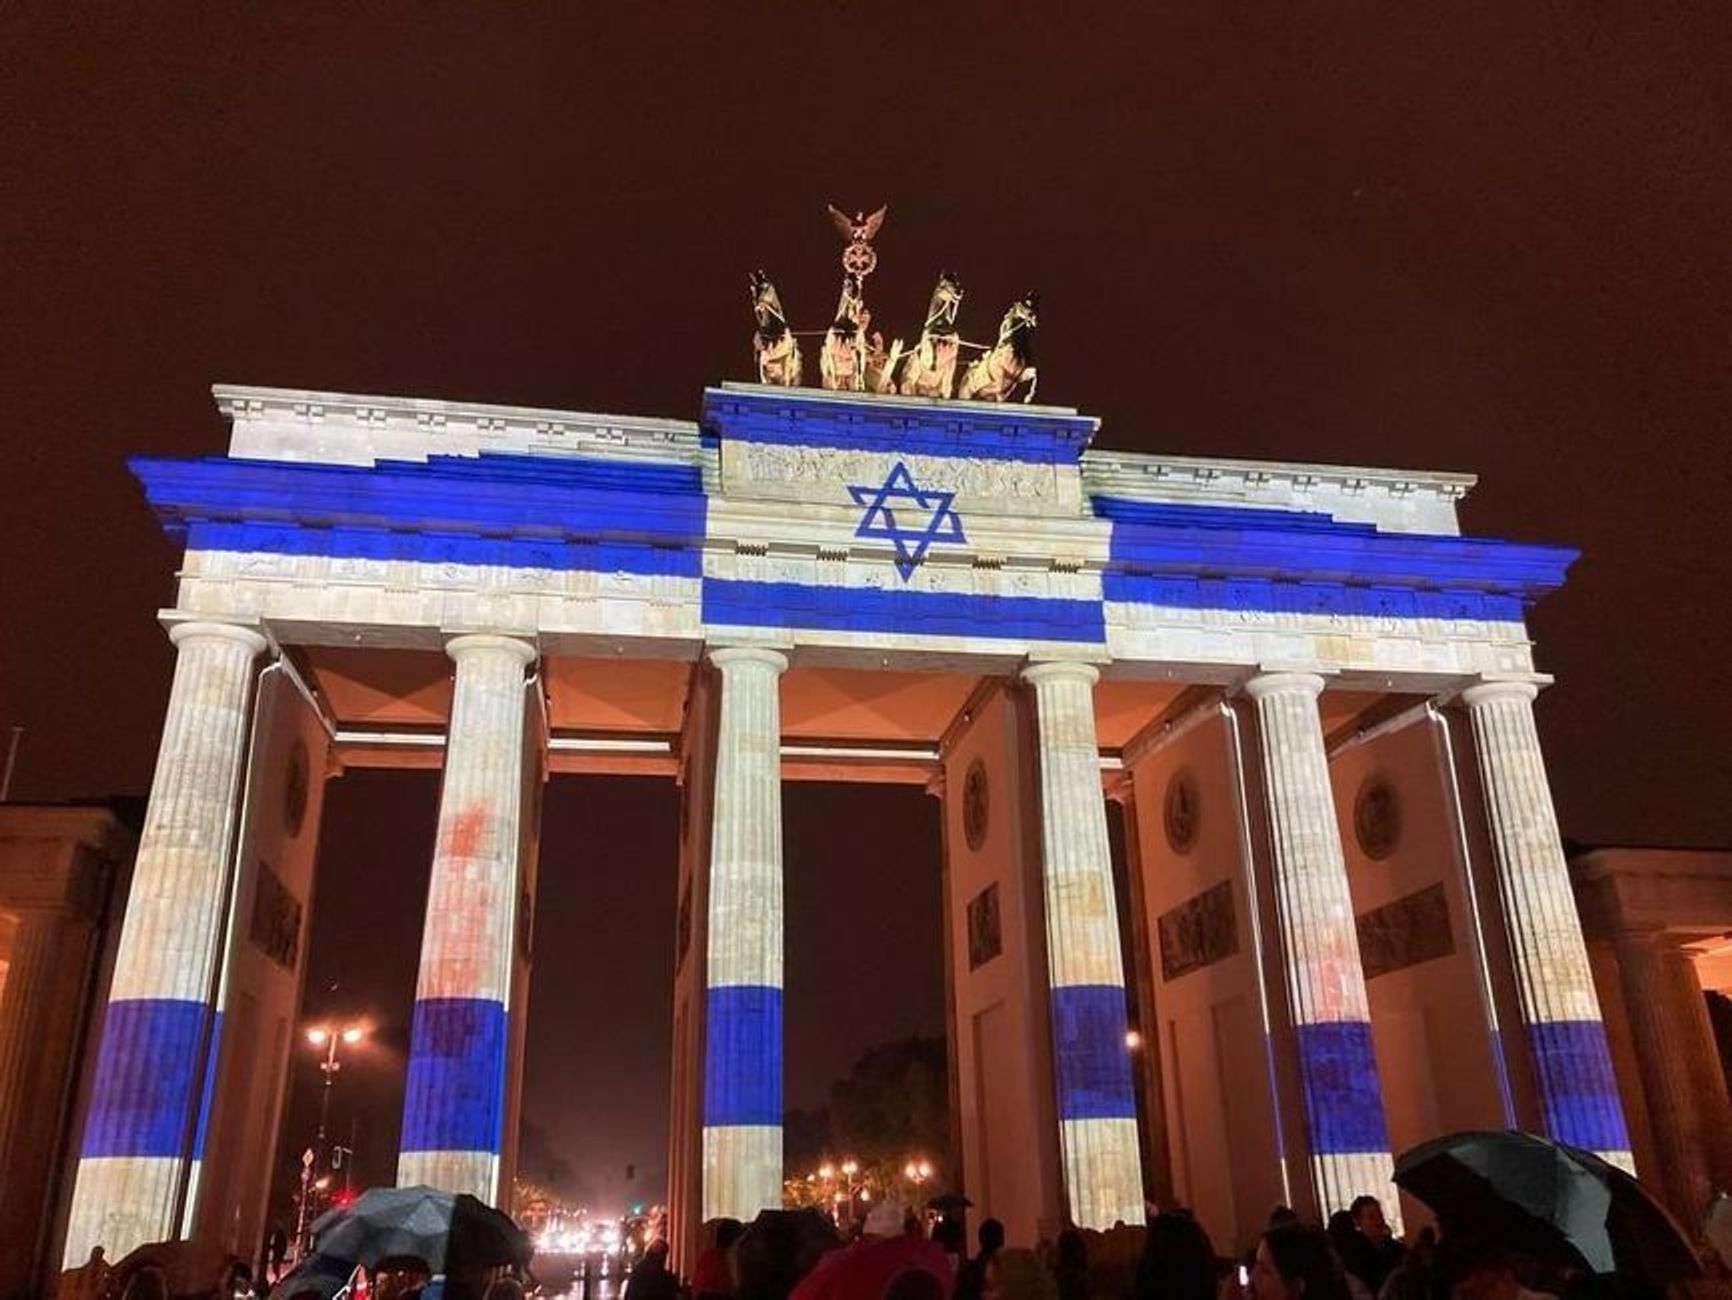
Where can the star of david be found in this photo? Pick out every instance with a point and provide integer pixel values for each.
(941, 523)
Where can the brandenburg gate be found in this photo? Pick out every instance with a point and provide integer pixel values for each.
(1342, 922)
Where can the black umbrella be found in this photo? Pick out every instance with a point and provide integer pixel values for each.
(1549, 1200)
(448, 1232)
(316, 1277)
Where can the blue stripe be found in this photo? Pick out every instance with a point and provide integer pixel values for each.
(142, 1094)
(447, 548)
(1301, 597)
(1129, 510)
(1577, 1085)
(1343, 1099)
(735, 602)
(207, 1095)
(454, 1099)
(1089, 1055)
(1340, 553)
(742, 1055)
(489, 495)
(896, 429)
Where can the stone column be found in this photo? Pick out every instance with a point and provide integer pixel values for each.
(38, 949)
(456, 1094)
(159, 1030)
(1346, 1134)
(1097, 1106)
(1554, 985)
(1680, 1069)
(743, 978)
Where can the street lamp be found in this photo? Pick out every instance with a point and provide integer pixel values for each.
(320, 1036)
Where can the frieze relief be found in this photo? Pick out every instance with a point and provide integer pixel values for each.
(820, 474)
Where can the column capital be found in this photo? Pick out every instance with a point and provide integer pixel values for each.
(470, 643)
(203, 629)
(1061, 670)
(727, 656)
(1513, 688)
(1283, 682)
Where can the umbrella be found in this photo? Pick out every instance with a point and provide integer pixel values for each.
(449, 1233)
(315, 1275)
(1546, 1199)
(865, 1270)
(187, 1268)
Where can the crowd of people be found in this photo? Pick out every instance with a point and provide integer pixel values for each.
(897, 1256)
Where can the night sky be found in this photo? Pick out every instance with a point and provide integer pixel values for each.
(1492, 238)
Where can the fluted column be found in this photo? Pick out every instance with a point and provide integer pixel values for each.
(1097, 1106)
(1554, 985)
(743, 976)
(159, 1030)
(456, 1095)
(38, 948)
(1346, 1133)
(1676, 1056)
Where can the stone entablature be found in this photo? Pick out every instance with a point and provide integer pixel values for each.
(860, 523)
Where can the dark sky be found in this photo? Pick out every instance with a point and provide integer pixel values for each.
(1491, 237)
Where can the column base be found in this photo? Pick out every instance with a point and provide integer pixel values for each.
(742, 1170)
(475, 1172)
(1340, 1177)
(122, 1202)
(1103, 1171)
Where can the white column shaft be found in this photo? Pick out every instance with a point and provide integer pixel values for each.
(1085, 968)
(743, 998)
(158, 1024)
(1554, 983)
(455, 1097)
(1347, 1135)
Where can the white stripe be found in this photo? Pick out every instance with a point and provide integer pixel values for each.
(119, 1203)
(1103, 1171)
(742, 1171)
(475, 1172)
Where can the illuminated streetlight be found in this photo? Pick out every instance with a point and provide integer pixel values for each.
(1133, 1040)
(826, 1172)
(328, 1038)
(850, 1167)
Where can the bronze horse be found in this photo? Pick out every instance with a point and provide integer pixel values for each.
(774, 345)
(842, 360)
(996, 374)
(930, 370)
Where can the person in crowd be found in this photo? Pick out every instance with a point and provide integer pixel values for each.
(1296, 1262)
(1354, 1253)
(1282, 1216)
(1383, 1251)
(1472, 1268)
(952, 1239)
(1414, 1278)
(971, 1277)
(1016, 1273)
(1071, 1266)
(88, 1281)
(1178, 1260)
(713, 1274)
(650, 1278)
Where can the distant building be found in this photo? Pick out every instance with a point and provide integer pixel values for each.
(64, 870)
